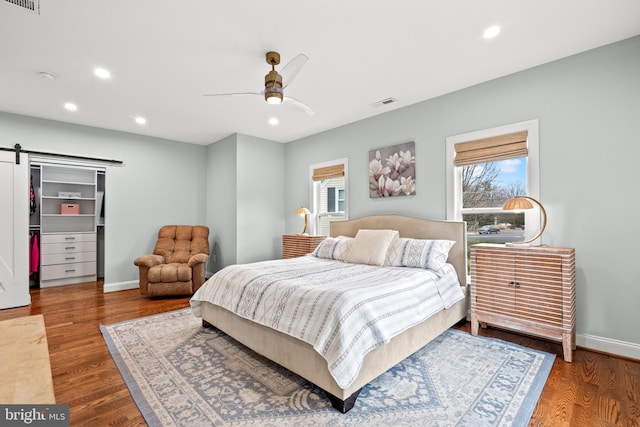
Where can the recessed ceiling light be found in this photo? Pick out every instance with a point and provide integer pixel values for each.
(141, 120)
(71, 106)
(45, 75)
(102, 73)
(273, 121)
(491, 32)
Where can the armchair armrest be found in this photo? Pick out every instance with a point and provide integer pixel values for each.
(149, 261)
(198, 259)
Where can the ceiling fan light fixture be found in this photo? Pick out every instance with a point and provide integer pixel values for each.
(273, 92)
(273, 97)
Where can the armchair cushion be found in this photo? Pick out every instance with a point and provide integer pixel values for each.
(177, 243)
(173, 272)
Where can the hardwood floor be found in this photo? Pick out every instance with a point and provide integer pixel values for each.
(594, 390)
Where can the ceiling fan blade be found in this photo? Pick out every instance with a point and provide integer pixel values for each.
(298, 105)
(291, 70)
(233, 94)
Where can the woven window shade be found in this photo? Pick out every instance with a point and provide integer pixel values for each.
(329, 172)
(492, 149)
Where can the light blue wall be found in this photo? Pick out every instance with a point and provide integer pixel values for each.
(221, 202)
(588, 106)
(160, 183)
(260, 213)
(245, 202)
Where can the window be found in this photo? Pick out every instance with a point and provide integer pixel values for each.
(335, 196)
(328, 194)
(486, 168)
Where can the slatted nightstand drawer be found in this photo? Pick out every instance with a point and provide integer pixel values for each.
(295, 245)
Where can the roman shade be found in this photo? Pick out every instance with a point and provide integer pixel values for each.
(502, 147)
(328, 172)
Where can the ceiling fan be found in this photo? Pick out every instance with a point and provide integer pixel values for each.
(273, 83)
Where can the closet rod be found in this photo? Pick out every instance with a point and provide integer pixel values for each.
(18, 149)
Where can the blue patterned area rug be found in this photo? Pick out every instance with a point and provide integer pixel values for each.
(181, 374)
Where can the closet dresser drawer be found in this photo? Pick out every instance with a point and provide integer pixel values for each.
(68, 237)
(66, 248)
(68, 271)
(67, 258)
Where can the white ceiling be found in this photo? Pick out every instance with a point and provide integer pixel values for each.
(164, 55)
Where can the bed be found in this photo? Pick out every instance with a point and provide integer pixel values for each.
(302, 358)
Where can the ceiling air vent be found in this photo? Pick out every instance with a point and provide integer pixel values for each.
(32, 5)
(384, 102)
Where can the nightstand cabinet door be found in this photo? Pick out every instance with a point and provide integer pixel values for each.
(525, 289)
(494, 290)
(539, 297)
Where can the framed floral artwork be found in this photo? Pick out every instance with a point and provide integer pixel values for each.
(392, 171)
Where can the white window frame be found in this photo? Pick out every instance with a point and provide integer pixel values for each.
(314, 193)
(337, 199)
(454, 173)
(342, 199)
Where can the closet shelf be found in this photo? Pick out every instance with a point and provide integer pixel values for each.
(68, 215)
(68, 198)
(59, 233)
(51, 181)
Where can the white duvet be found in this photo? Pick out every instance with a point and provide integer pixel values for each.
(343, 310)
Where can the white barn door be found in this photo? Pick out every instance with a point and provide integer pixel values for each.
(14, 230)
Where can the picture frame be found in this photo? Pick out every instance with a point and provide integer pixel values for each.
(392, 171)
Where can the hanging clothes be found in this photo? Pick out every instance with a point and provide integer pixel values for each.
(32, 199)
(30, 249)
(35, 254)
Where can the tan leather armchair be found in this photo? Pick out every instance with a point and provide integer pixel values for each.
(178, 263)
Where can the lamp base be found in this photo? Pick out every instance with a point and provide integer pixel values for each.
(517, 245)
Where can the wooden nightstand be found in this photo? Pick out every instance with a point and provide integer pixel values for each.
(532, 290)
(295, 245)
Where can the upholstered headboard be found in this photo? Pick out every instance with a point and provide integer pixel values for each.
(415, 228)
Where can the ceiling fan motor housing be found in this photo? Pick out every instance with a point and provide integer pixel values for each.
(273, 87)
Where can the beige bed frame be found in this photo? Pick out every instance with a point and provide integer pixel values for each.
(300, 357)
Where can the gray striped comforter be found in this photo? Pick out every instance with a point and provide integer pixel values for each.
(343, 310)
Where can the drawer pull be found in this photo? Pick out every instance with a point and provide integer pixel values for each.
(70, 247)
(512, 283)
(69, 271)
(70, 258)
(69, 238)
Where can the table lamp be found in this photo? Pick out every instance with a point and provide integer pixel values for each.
(303, 212)
(519, 203)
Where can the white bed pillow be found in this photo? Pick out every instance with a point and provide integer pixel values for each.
(333, 248)
(419, 253)
(370, 246)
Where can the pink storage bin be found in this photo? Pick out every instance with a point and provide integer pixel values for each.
(70, 209)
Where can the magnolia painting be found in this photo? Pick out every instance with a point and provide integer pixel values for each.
(392, 171)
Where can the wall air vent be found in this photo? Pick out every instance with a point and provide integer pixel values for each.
(384, 102)
(32, 5)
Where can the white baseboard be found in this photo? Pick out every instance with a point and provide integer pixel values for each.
(121, 286)
(608, 345)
